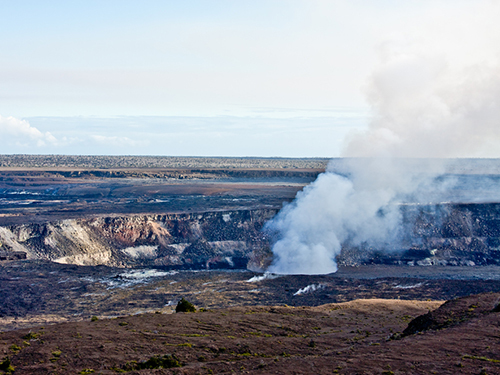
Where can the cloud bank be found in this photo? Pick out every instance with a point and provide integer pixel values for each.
(21, 133)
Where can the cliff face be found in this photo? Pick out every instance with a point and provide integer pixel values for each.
(455, 233)
(451, 234)
(230, 239)
(446, 234)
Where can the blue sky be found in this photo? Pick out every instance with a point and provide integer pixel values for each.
(214, 78)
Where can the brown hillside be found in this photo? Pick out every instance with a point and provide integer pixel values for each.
(347, 338)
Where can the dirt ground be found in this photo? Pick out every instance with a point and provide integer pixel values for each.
(357, 337)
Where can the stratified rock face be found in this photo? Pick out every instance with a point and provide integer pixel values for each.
(446, 234)
(453, 235)
(230, 239)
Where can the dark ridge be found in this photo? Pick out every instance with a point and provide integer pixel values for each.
(454, 312)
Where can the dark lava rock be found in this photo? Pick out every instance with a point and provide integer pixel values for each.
(454, 312)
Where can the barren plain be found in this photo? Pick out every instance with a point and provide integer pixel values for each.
(48, 188)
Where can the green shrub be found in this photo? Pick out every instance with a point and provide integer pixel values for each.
(6, 366)
(155, 362)
(94, 319)
(15, 348)
(31, 336)
(86, 371)
(185, 306)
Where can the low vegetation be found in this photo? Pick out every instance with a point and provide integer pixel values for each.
(110, 162)
(185, 306)
(155, 362)
(6, 366)
(278, 339)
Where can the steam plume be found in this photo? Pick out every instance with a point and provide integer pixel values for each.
(424, 112)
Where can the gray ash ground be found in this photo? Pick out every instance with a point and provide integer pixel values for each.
(35, 292)
(37, 196)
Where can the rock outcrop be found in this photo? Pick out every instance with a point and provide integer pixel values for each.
(454, 312)
(211, 240)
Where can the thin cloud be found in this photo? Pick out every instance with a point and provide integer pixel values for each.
(118, 141)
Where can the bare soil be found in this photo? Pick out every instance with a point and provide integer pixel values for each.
(357, 337)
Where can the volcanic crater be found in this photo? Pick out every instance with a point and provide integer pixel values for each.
(123, 239)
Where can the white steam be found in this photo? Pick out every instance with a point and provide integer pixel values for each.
(337, 209)
(308, 289)
(425, 107)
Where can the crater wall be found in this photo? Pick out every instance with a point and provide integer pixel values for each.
(433, 235)
(443, 235)
(210, 240)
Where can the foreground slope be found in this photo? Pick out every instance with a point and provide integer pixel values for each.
(354, 337)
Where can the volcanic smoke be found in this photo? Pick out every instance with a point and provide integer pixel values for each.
(425, 113)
